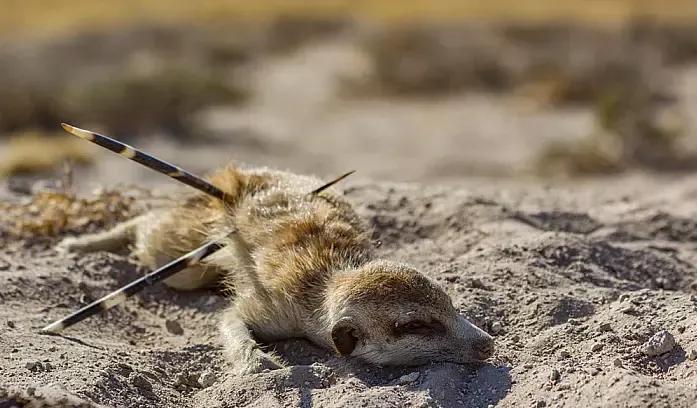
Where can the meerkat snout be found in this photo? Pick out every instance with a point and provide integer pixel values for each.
(389, 314)
(483, 348)
(477, 345)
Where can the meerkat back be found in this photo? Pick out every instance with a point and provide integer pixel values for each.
(279, 230)
(263, 208)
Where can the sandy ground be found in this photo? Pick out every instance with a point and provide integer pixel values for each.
(572, 282)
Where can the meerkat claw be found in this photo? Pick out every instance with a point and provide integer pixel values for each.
(66, 245)
(260, 361)
(248, 358)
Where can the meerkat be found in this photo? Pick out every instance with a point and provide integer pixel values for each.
(298, 265)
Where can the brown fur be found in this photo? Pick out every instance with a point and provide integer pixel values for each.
(300, 265)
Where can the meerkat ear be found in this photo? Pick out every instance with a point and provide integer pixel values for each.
(345, 335)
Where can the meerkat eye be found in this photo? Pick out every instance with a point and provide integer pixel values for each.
(418, 327)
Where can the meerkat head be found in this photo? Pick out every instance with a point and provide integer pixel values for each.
(389, 314)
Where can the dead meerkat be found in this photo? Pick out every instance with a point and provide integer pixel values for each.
(299, 264)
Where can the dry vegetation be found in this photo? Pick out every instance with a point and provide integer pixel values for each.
(140, 80)
(156, 78)
(554, 63)
(49, 214)
(637, 127)
(23, 17)
(151, 76)
(163, 99)
(622, 73)
(37, 152)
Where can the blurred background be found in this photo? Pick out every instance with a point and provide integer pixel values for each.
(418, 91)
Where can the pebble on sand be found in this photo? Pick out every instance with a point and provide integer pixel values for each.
(141, 382)
(660, 343)
(692, 355)
(174, 327)
(629, 309)
(187, 379)
(33, 366)
(409, 378)
(554, 375)
(207, 379)
(605, 327)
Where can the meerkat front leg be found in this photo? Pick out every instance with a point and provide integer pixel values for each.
(240, 347)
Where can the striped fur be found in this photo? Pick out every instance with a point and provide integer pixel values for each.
(146, 160)
(118, 296)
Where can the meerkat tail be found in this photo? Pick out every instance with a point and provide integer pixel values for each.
(118, 296)
(331, 183)
(146, 160)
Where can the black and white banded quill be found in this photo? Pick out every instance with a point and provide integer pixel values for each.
(120, 295)
(146, 160)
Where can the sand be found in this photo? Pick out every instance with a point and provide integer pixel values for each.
(570, 281)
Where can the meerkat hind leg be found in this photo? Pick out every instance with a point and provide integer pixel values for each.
(114, 240)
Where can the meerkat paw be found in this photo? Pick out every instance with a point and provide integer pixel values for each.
(241, 350)
(252, 360)
(70, 244)
(259, 361)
